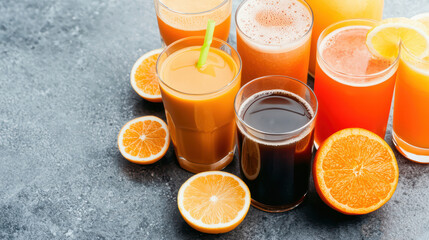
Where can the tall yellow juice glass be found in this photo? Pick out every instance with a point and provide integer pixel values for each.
(273, 38)
(178, 19)
(411, 107)
(327, 12)
(199, 102)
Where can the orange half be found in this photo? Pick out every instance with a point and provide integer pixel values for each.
(144, 140)
(143, 76)
(355, 171)
(214, 201)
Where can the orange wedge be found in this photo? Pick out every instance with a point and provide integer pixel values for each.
(214, 201)
(144, 140)
(143, 76)
(355, 171)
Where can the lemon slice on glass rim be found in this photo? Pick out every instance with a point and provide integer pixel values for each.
(384, 39)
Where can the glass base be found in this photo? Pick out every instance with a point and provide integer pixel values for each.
(199, 167)
(274, 209)
(413, 153)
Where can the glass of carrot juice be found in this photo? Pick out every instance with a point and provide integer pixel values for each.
(178, 19)
(199, 102)
(354, 87)
(410, 108)
(273, 38)
(327, 12)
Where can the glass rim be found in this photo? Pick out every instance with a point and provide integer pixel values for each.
(309, 31)
(197, 13)
(158, 68)
(282, 133)
(412, 55)
(350, 75)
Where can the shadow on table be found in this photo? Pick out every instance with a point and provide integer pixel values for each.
(317, 212)
(143, 108)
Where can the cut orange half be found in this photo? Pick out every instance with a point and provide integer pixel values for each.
(355, 171)
(214, 201)
(143, 76)
(144, 140)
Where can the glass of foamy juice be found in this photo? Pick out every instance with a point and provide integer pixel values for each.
(273, 37)
(354, 87)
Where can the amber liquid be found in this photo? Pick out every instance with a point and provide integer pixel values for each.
(277, 174)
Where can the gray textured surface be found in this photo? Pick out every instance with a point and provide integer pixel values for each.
(65, 93)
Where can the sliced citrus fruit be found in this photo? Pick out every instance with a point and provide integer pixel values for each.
(355, 171)
(423, 18)
(214, 201)
(143, 76)
(144, 140)
(383, 39)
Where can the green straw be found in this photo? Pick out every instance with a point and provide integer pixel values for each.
(207, 42)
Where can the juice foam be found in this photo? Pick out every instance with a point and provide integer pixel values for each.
(344, 50)
(274, 22)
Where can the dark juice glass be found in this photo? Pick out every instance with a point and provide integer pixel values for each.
(275, 121)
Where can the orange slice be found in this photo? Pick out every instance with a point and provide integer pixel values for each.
(143, 76)
(144, 140)
(355, 171)
(214, 201)
(383, 39)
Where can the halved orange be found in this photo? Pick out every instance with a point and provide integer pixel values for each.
(144, 140)
(214, 201)
(143, 76)
(355, 171)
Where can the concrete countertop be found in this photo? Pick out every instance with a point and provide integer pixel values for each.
(65, 94)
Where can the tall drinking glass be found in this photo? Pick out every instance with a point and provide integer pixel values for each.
(178, 19)
(275, 121)
(411, 107)
(327, 12)
(273, 37)
(199, 102)
(354, 87)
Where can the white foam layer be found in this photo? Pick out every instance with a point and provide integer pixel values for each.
(329, 41)
(269, 142)
(274, 25)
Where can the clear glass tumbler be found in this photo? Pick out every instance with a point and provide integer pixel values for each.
(275, 121)
(201, 122)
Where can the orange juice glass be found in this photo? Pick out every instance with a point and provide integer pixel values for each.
(354, 88)
(327, 12)
(411, 107)
(273, 38)
(178, 19)
(199, 102)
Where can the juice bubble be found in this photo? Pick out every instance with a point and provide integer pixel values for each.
(274, 22)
